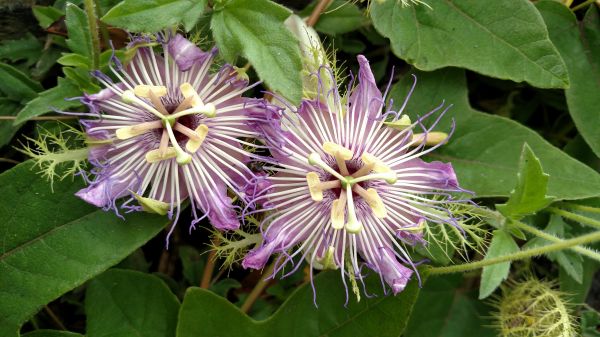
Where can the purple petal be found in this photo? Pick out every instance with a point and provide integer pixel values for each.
(257, 258)
(366, 97)
(439, 175)
(184, 52)
(394, 273)
(102, 193)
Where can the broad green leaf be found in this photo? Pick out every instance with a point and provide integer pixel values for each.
(51, 333)
(54, 242)
(150, 15)
(74, 60)
(580, 48)
(57, 97)
(130, 303)
(491, 277)
(192, 264)
(484, 149)
(339, 18)
(27, 48)
(81, 78)
(590, 320)
(16, 85)
(7, 130)
(502, 38)
(80, 37)
(206, 314)
(192, 16)
(255, 29)
(529, 196)
(46, 15)
(444, 309)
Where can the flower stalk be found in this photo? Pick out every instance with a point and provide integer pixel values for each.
(260, 286)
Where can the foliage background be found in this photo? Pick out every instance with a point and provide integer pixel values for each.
(516, 71)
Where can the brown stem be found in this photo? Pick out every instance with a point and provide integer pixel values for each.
(262, 284)
(54, 318)
(39, 118)
(210, 266)
(316, 13)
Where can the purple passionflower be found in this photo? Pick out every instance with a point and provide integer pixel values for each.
(169, 131)
(349, 189)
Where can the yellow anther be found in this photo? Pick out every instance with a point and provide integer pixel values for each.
(338, 212)
(372, 198)
(433, 138)
(188, 91)
(128, 96)
(374, 163)
(146, 90)
(336, 150)
(400, 124)
(328, 260)
(194, 144)
(312, 178)
(155, 156)
(152, 206)
(136, 130)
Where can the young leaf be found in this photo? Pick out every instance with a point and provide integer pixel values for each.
(80, 38)
(491, 277)
(502, 38)
(255, 29)
(130, 303)
(53, 98)
(150, 15)
(206, 314)
(46, 15)
(16, 85)
(27, 48)
(54, 242)
(485, 149)
(529, 196)
(580, 48)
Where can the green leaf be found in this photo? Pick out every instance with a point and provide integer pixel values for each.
(529, 196)
(590, 320)
(339, 18)
(151, 15)
(192, 264)
(580, 48)
(7, 130)
(46, 15)
(503, 38)
(16, 85)
(578, 291)
(255, 29)
(81, 77)
(51, 333)
(206, 314)
(484, 149)
(491, 277)
(130, 303)
(80, 38)
(27, 48)
(53, 98)
(444, 309)
(192, 16)
(74, 60)
(54, 242)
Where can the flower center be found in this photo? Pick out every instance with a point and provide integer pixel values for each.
(170, 120)
(343, 213)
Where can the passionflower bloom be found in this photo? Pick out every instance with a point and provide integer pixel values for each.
(168, 131)
(349, 189)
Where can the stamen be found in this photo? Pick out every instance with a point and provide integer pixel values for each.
(158, 103)
(340, 153)
(316, 187)
(315, 159)
(372, 198)
(390, 177)
(374, 162)
(433, 138)
(194, 143)
(147, 90)
(207, 110)
(129, 96)
(136, 130)
(353, 225)
(164, 143)
(182, 157)
(338, 211)
(186, 103)
(157, 155)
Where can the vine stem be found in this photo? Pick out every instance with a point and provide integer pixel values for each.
(575, 217)
(582, 5)
(258, 288)
(39, 118)
(209, 267)
(317, 11)
(583, 208)
(549, 237)
(90, 10)
(588, 238)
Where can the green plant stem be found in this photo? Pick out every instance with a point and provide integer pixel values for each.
(582, 5)
(101, 25)
(575, 217)
(39, 118)
(93, 24)
(583, 208)
(549, 237)
(258, 288)
(584, 239)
